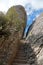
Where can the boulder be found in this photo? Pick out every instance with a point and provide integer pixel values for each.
(9, 44)
(35, 36)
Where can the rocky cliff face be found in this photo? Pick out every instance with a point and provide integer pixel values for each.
(16, 16)
(35, 37)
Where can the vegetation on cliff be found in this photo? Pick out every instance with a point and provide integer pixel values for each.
(4, 25)
(11, 30)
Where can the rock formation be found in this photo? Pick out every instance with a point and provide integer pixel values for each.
(12, 27)
(35, 36)
(16, 17)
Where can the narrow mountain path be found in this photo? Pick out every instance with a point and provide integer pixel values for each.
(25, 56)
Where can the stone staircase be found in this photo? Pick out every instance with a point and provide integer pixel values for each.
(32, 53)
(25, 56)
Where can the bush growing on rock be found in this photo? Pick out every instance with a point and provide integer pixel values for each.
(17, 18)
(13, 25)
(3, 25)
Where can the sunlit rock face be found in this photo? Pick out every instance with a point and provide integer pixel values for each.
(23, 17)
(9, 44)
(38, 25)
(17, 15)
(36, 38)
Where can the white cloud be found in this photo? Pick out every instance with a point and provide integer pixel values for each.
(5, 4)
(17, 2)
(37, 4)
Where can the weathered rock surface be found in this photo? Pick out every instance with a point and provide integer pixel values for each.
(19, 18)
(9, 45)
(36, 38)
(29, 53)
(25, 56)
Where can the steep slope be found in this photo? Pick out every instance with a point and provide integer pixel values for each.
(32, 14)
(16, 24)
(35, 36)
(19, 16)
(25, 56)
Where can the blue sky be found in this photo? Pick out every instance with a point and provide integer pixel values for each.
(5, 4)
(28, 4)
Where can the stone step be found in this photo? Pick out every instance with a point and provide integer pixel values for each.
(20, 61)
(25, 56)
(22, 54)
(22, 58)
(21, 51)
(20, 64)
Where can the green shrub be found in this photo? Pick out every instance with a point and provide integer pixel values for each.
(4, 25)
